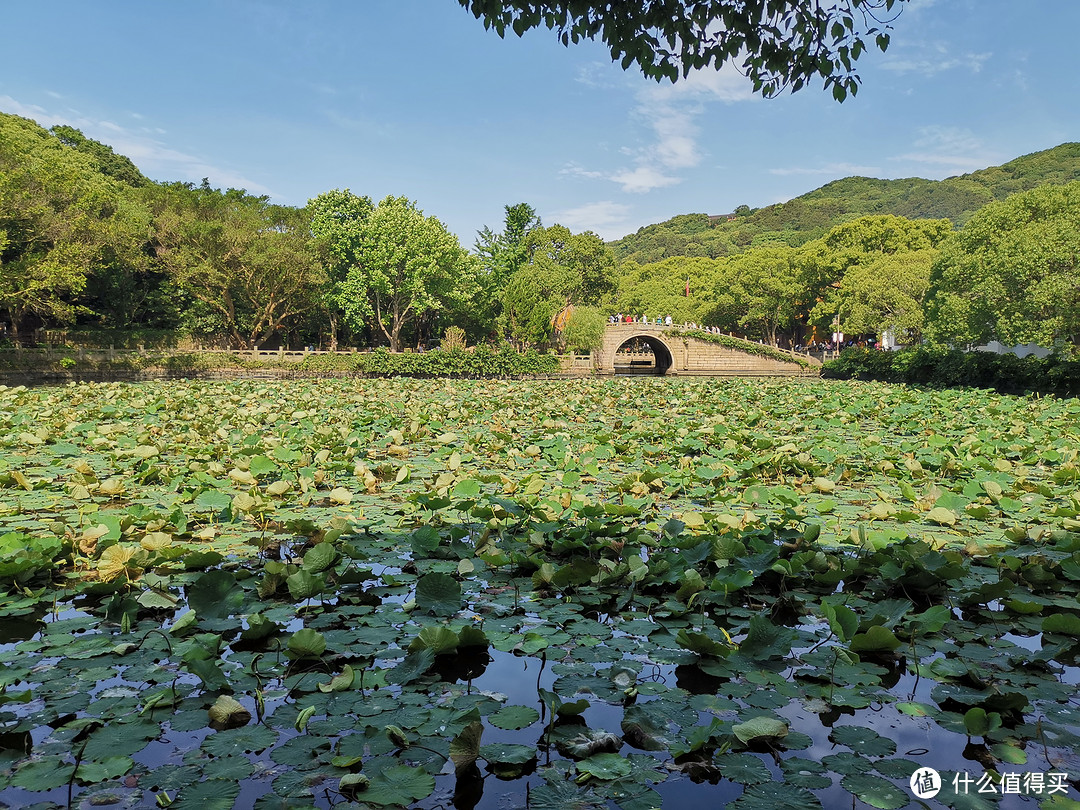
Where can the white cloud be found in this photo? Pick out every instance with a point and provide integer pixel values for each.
(574, 170)
(643, 179)
(831, 169)
(930, 59)
(669, 112)
(607, 219)
(595, 74)
(955, 148)
(152, 156)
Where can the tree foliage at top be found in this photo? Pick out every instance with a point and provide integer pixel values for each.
(778, 44)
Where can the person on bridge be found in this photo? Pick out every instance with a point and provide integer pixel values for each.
(667, 321)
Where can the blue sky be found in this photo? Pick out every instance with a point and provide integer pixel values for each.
(415, 98)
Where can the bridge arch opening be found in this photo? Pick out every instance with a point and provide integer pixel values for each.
(643, 355)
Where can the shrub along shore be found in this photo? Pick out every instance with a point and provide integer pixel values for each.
(952, 368)
(482, 361)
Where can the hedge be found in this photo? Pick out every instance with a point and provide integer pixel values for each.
(951, 368)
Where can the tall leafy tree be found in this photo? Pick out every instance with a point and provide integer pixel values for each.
(584, 330)
(499, 256)
(407, 267)
(760, 290)
(1012, 273)
(246, 261)
(61, 220)
(777, 43)
(337, 223)
(839, 270)
(887, 294)
(563, 269)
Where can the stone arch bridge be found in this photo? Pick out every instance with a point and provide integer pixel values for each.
(636, 348)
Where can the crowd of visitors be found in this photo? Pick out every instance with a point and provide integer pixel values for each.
(664, 321)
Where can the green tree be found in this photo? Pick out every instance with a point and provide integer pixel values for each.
(778, 44)
(61, 220)
(762, 289)
(887, 294)
(563, 269)
(246, 261)
(1012, 273)
(337, 224)
(499, 256)
(408, 266)
(834, 265)
(584, 331)
(659, 289)
(102, 156)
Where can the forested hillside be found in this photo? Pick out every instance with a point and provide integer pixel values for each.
(811, 215)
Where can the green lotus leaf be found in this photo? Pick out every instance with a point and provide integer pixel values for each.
(439, 640)
(864, 740)
(465, 747)
(306, 643)
(746, 769)
(978, 722)
(514, 717)
(213, 500)
(91, 771)
(43, 774)
(875, 791)
(765, 640)
(760, 728)
(339, 683)
(304, 585)
(507, 753)
(414, 665)
(1066, 624)
(399, 785)
(772, 795)
(121, 738)
(215, 595)
(235, 741)
(319, 557)
(875, 639)
(212, 794)
(605, 767)
(439, 594)
(227, 712)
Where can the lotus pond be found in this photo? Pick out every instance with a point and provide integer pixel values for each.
(629, 593)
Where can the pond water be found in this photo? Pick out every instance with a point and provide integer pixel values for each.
(510, 679)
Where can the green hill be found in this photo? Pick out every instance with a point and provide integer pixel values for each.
(813, 214)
